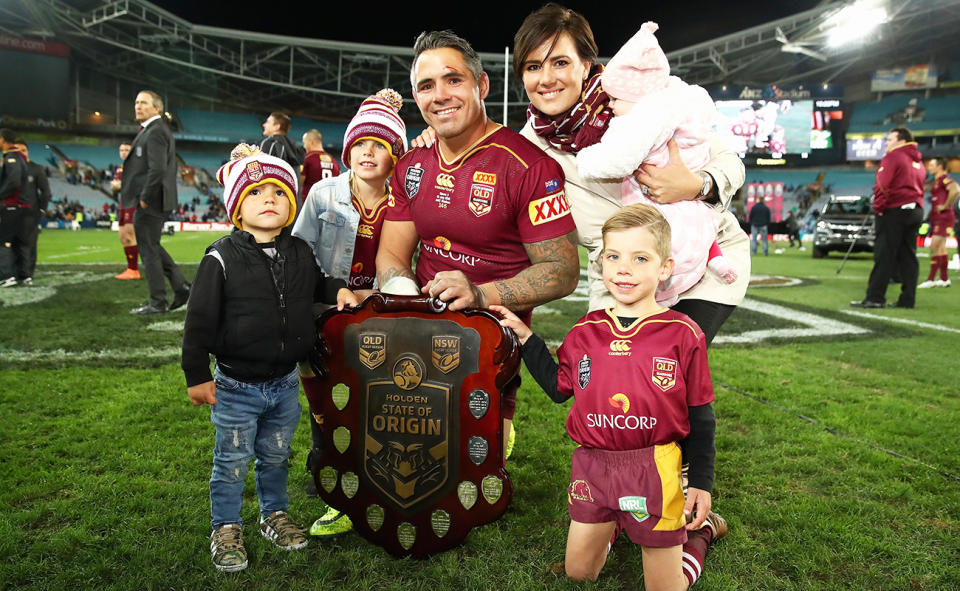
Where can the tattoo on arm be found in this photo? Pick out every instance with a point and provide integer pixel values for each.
(553, 274)
(389, 273)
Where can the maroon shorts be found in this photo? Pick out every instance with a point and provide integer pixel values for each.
(637, 488)
(125, 216)
(941, 223)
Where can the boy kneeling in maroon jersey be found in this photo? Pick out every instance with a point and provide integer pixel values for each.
(640, 381)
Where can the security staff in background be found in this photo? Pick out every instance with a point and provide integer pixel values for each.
(150, 180)
(34, 198)
(898, 203)
(13, 175)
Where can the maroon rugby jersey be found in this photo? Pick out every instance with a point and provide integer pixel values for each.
(939, 193)
(118, 173)
(632, 386)
(317, 165)
(474, 214)
(364, 268)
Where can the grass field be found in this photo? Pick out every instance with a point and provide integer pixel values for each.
(838, 463)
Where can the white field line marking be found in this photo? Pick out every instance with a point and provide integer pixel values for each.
(108, 354)
(901, 321)
(46, 286)
(83, 250)
(817, 325)
(787, 281)
(166, 325)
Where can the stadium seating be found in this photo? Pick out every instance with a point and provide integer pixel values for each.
(938, 113)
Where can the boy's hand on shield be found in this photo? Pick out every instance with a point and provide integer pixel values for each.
(511, 321)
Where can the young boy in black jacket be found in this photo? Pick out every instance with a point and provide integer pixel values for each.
(251, 307)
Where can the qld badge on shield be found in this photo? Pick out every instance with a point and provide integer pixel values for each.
(418, 439)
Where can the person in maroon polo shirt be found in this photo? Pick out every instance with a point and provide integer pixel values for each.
(317, 164)
(898, 203)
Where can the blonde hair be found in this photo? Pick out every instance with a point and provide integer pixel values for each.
(641, 215)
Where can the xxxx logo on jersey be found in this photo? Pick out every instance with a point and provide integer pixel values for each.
(548, 208)
(620, 348)
(664, 373)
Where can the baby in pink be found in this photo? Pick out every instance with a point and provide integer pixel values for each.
(650, 107)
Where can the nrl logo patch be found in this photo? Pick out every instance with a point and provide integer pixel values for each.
(254, 172)
(446, 353)
(664, 373)
(373, 349)
(411, 181)
(580, 491)
(408, 372)
(481, 199)
(583, 372)
(636, 506)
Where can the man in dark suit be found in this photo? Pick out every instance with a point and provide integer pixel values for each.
(34, 197)
(150, 179)
(13, 175)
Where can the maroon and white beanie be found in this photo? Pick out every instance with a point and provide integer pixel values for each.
(639, 68)
(378, 119)
(250, 168)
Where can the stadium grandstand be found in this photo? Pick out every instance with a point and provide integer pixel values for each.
(830, 98)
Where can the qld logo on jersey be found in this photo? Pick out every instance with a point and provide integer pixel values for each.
(549, 208)
(583, 372)
(664, 373)
(411, 181)
(481, 199)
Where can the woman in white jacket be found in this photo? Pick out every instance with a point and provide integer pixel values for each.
(556, 57)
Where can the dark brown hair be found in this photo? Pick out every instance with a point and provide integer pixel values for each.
(903, 134)
(281, 119)
(548, 23)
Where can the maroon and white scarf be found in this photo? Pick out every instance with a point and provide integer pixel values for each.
(583, 125)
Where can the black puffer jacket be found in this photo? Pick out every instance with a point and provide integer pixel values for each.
(253, 312)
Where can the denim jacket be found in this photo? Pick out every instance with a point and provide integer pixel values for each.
(328, 223)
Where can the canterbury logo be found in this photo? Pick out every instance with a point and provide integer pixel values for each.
(445, 180)
(619, 346)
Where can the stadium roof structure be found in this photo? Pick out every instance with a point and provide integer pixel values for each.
(141, 42)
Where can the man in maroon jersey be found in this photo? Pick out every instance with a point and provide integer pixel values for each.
(125, 221)
(485, 205)
(317, 165)
(943, 194)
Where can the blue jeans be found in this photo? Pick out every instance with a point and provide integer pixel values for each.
(252, 419)
(758, 231)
